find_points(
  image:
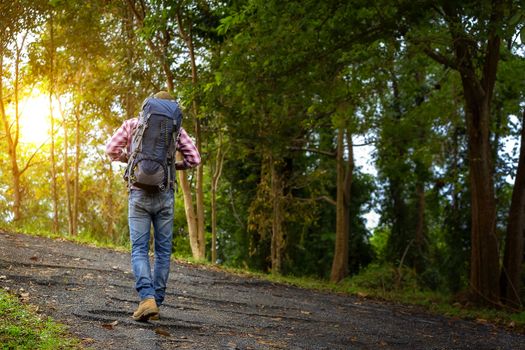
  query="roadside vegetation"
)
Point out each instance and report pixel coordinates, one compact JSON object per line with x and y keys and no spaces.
{"x":21,"y":327}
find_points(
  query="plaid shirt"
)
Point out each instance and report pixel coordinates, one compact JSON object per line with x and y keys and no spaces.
{"x":119,"y":146}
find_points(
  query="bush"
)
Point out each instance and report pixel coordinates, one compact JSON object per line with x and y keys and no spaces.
{"x":385,"y":278}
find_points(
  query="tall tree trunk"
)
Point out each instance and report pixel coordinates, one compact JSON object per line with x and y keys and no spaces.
{"x":478,"y":92}
{"x":12,"y":136}
{"x":109,"y":212}
{"x":66,"y":175}
{"x":513,"y":257}
{"x":402,"y":233}
{"x":219,"y":161}
{"x":187,"y":36}
{"x":420,"y":226}
{"x":420,"y":229}
{"x":484,"y":268}
{"x":190,"y":214}
{"x":76,"y":182}
{"x":344,"y":184}
{"x":277,"y":242}
{"x":14,"y":156}
{"x":54,"y":190}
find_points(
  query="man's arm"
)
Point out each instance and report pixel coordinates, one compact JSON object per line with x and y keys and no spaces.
{"x":190,"y":155}
{"x":117,"y":146}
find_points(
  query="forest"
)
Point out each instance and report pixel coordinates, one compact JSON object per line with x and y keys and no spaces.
{"x":335,"y":135}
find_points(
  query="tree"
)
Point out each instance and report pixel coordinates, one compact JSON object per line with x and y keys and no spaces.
{"x":158,"y":30}
{"x":466,"y":38}
{"x":513,"y":253}
{"x":19,"y":19}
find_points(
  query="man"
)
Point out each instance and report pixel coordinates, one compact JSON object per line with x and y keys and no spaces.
{"x":146,"y":208}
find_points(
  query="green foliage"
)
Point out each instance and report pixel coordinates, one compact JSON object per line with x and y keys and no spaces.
{"x":22,"y":328}
{"x":276,"y":80}
{"x":385,"y":278}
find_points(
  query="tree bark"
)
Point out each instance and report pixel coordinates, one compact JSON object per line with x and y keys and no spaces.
{"x":510,"y":282}
{"x":66,"y":174}
{"x":277,"y":242}
{"x":13,"y":136}
{"x":344,"y":184}
{"x":187,"y":37}
{"x":484,"y":268}
{"x":54,"y":190}
{"x":219,"y":161}
{"x":76,"y":182}
{"x":478,"y":92}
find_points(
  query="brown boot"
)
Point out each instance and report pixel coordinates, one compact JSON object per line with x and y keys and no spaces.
{"x":147,"y":308}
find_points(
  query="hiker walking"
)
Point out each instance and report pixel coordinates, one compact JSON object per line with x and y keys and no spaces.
{"x":148,"y":144}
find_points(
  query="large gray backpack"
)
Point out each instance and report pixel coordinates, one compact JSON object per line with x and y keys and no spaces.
{"x":151,"y":165}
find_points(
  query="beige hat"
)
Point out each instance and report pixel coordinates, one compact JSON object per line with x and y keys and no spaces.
{"x":164,"y":95}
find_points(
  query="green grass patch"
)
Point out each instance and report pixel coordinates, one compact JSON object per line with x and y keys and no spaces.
{"x":22,"y":328}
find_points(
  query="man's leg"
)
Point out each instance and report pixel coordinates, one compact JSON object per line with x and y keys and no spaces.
{"x":139,"y":220}
{"x":163,"y":227}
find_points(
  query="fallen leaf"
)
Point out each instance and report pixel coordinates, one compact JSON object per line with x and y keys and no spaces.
{"x":163,"y":332}
{"x":34,"y":258}
{"x":306,"y":312}
{"x":110,"y":325}
{"x":273,"y":344}
{"x":362,"y":294}
{"x":24,"y":297}
{"x":481,"y":320}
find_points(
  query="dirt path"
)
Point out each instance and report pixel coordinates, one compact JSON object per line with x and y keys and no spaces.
{"x":90,"y":290}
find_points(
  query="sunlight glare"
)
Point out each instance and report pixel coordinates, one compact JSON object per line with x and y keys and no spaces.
{"x":34,"y":119}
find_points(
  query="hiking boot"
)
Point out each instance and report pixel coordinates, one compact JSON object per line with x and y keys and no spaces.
{"x":155,"y":317}
{"x":147,"y":308}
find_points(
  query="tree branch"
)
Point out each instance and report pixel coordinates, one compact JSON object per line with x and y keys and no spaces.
{"x":28,"y":163}
{"x":439,"y":58}
{"x":313,"y":150}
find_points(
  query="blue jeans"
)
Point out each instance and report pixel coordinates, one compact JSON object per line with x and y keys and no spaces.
{"x":146,"y":209}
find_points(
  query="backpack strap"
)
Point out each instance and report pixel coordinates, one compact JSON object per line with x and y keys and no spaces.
{"x":172,"y":157}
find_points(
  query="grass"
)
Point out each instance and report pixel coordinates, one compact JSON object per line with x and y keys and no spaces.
{"x":22,"y":328}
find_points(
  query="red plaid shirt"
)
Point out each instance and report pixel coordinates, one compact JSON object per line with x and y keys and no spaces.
{"x":119,"y":146}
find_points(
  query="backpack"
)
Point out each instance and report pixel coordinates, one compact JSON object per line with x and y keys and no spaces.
{"x":151,"y":165}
